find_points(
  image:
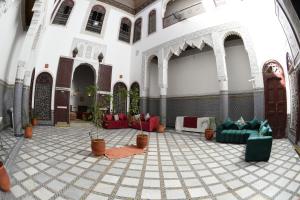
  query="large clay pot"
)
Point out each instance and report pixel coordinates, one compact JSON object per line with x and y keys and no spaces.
{"x":209,"y":134}
{"x":98,"y":147}
{"x":28,"y":132}
{"x":4,"y":179}
{"x":161,"y":128}
{"x":34,"y":121}
{"x":142,"y":141}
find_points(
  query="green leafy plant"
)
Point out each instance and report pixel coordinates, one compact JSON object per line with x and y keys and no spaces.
{"x":134,"y":101}
{"x":97,"y":109}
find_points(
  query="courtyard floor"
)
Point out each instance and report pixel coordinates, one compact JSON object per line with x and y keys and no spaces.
{"x":57,"y":164}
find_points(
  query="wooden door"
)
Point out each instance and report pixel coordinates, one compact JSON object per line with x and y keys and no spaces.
{"x":275,"y":98}
{"x":62,"y":110}
{"x":276,"y":106}
{"x":62,"y":90}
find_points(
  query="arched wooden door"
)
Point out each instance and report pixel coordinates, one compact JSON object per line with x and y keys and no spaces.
{"x":275,"y":97}
{"x":120,"y":98}
{"x":42,"y":96}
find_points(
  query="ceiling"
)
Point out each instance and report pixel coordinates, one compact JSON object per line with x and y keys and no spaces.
{"x":131,"y":6}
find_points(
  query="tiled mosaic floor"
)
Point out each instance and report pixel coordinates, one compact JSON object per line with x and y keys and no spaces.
{"x":56,"y":164}
{"x":7,"y":143}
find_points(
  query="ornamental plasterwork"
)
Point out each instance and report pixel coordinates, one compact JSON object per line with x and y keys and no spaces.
{"x":88,"y":50}
{"x":198,"y":39}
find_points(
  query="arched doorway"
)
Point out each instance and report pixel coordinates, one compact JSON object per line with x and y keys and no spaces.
{"x":275,"y":97}
{"x":42,"y":97}
{"x":120,"y":98}
{"x":135,"y":89}
{"x":80,"y":101}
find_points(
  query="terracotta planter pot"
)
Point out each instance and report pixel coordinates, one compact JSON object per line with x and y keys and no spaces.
{"x":142,"y":141}
{"x":28,"y":132}
{"x":98,"y":147}
{"x":4,"y":179}
{"x":161,"y":128}
{"x":34,"y":122}
{"x":209,"y":134}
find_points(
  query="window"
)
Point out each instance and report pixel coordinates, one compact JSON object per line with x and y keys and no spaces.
{"x":125,"y":30}
{"x":63,"y":12}
{"x":96,"y":19}
{"x":152,"y":22}
{"x":137,"y":30}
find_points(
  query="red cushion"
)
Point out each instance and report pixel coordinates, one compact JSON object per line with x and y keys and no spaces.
{"x":142,"y":117}
{"x":109,"y":117}
{"x":122,"y":116}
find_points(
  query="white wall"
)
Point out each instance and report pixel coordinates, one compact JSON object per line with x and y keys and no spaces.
{"x":238,"y":67}
{"x":11,"y":40}
{"x":193,"y":75}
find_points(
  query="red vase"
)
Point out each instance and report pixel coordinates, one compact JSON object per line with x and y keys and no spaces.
{"x":4,"y":179}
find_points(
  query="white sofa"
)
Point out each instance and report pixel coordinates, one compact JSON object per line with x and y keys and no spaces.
{"x":202,"y":124}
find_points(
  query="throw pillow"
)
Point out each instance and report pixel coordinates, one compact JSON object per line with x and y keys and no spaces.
{"x":147,"y":117}
{"x":116,"y":117}
{"x":122,"y":116}
{"x":265,"y":123}
{"x":263,"y":130}
{"x":229,"y":124}
{"x":137,"y":117}
{"x":254,"y":124}
{"x":240,"y":123}
{"x":109,"y":117}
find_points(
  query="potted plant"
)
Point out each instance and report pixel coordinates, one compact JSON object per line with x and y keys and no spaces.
{"x":28,"y":131}
{"x":4,"y":178}
{"x":141,"y":139}
{"x":209,"y":132}
{"x":97,"y":143}
{"x":34,"y":120}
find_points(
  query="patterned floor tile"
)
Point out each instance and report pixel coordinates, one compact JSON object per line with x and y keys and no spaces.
{"x":57,"y":164}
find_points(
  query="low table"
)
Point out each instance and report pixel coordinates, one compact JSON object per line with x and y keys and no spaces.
{"x":202,"y":124}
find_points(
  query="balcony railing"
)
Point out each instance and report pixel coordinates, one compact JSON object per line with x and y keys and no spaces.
{"x":183,"y":14}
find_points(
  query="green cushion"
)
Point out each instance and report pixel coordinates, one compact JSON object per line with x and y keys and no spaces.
{"x":254,"y":124}
{"x":244,"y":127}
{"x":263,"y":130}
{"x":229,"y":124}
{"x":263,"y":124}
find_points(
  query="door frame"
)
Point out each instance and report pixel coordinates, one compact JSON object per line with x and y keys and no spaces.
{"x":279,"y":74}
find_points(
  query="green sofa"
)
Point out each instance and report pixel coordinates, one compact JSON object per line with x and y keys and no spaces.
{"x":257,"y":136}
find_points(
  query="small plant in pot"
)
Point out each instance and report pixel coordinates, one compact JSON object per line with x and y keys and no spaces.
{"x":141,"y":139}
{"x":28,"y":131}
{"x":209,"y":132}
{"x":4,"y":179}
{"x":34,"y":120}
{"x":97,"y":143}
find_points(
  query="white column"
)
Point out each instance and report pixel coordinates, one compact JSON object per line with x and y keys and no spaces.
{"x":163,"y":85}
{"x":219,"y":51}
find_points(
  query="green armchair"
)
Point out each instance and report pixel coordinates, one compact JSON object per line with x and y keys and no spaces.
{"x":257,"y":136}
{"x":258,"y":148}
